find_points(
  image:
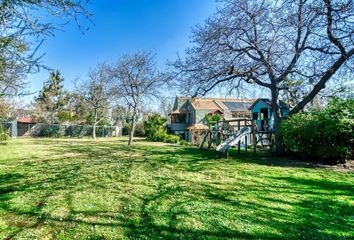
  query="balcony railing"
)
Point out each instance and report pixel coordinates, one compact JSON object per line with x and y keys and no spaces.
{"x":178,"y":126}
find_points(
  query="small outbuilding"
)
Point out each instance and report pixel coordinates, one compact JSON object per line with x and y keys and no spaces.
{"x":24,"y":126}
{"x":262,"y":113}
{"x":196,"y":133}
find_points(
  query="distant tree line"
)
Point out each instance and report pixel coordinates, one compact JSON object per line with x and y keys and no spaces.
{"x":111,"y":94}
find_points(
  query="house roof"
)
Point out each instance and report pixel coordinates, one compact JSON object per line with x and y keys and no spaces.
{"x":268,"y":102}
{"x":25,"y":120}
{"x":178,"y":112}
{"x":232,"y":104}
{"x":198,"y":126}
{"x":205,"y":104}
{"x":217,"y":111}
{"x":238,"y":106}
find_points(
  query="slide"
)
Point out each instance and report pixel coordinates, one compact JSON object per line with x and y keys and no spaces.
{"x":233,"y":140}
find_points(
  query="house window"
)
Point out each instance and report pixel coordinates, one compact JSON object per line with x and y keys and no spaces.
{"x":179,"y":118}
{"x":255,"y":116}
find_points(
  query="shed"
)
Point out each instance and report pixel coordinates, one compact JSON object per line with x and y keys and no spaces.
{"x":262,"y":113}
{"x":24,"y":125}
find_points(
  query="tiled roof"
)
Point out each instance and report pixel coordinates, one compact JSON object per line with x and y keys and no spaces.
{"x":25,"y":120}
{"x":205,"y":104}
{"x":178,"y":112}
{"x":198,"y":126}
{"x":268,"y":102}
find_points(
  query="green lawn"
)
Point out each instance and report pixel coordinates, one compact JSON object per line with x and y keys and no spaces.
{"x":82,"y":189}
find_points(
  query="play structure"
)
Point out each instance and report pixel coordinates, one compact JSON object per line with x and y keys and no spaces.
{"x":256,"y":131}
{"x":239,"y":133}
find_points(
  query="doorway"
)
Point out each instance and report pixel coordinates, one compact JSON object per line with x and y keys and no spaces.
{"x":264,"y":119}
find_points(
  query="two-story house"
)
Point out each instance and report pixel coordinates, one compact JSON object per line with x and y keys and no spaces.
{"x":189,"y":113}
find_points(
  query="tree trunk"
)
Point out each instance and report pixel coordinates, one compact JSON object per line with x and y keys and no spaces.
{"x":94,"y":125}
{"x":277,"y":121}
{"x":132,"y":126}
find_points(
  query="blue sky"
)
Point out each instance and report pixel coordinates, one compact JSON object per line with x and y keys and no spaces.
{"x":120,"y":27}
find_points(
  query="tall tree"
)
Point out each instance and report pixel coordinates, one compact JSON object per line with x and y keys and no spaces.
{"x":51,"y":98}
{"x":98,"y":90}
{"x":75,"y":107}
{"x":166,"y":105}
{"x":23,"y":27}
{"x":138,"y":81}
{"x":272,"y":44}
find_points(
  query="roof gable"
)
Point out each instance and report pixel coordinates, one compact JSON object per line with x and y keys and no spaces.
{"x":268,"y":103}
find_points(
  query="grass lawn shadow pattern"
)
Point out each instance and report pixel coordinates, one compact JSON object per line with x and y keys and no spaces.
{"x":104,"y":189}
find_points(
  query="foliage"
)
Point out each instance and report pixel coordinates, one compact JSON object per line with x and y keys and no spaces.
{"x":84,"y":189}
{"x":295,"y":47}
{"x":155,"y":130}
{"x":139,"y":129}
{"x":3,"y":134}
{"x":77,"y":108}
{"x":64,"y":116}
{"x":49,"y":131}
{"x":326,"y":134}
{"x":211,"y":119}
{"x":154,"y":124}
{"x":76,"y":131}
{"x":24,"y":25}
{"x":51,"y":98}
{"x":5,"y":109}
{"x":171,"y":138}
{"x":184,"y":142}
{"x":104,"y":131}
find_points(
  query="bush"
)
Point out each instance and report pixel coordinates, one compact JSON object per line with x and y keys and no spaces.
{"x":49,"y":131}
{"x":325,"y":135}
{"x":212,"y":119}
{"x":3,"y":134}
{"x":155,"y":130}
{"x":171,"y":138}
{"x":155,"y":125}
{"x":75,"y":131}
{"x":104,"y":131}
{"x":139,"y":130}
{"x":184,"y":143}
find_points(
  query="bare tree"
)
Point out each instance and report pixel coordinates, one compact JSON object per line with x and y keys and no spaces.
{"x":166,"y":105}
{"x":138,"y":81}
{"x":23,"y":27}
{"x":97,"y":90}
{"x":274,"y":45}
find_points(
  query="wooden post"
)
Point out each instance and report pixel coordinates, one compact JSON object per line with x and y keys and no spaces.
{"x":239,"y":142}
{"x":254,"y":136}
{"x":246,"y":137}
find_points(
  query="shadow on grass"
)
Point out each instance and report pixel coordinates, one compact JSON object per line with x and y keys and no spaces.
{"x":181,"y":203}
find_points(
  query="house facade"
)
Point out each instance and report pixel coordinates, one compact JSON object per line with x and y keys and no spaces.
{"x":188,"y":114}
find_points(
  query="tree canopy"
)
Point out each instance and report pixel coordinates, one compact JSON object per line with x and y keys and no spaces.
{"x":278,"y":45}
{"x":23,"y":27}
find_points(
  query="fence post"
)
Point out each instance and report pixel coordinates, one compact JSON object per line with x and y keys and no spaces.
{"x":239,"y":142}
{"x":246,"y":137}
{"x":254,"y":136}
{"x":14,"y":129}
